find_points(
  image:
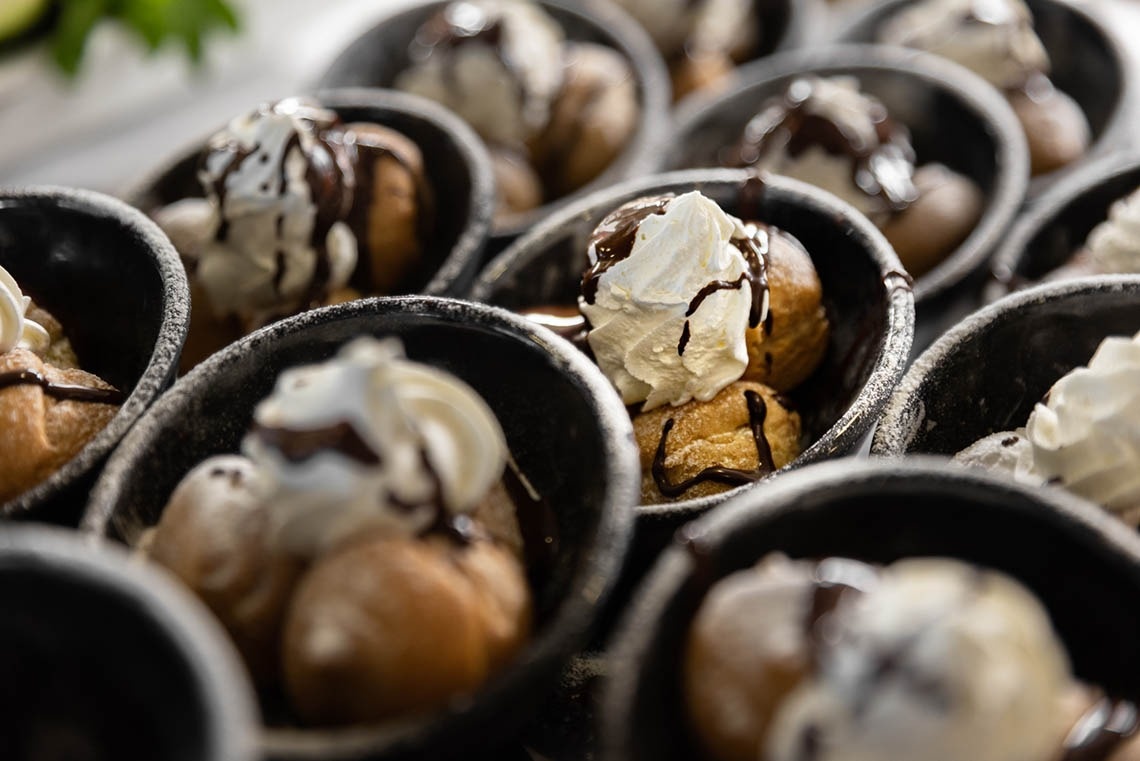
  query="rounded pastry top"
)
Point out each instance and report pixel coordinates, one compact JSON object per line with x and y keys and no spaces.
{"x":992,"y":38}
{"x":1085,"y":433}
{"x":1114,"y":245}
{"x":281,"y":182}
{"x":496,"y":63}
{"x":16,"y":329}
{"x":940,"y":660}
{"x":370,"y":439}
{"x":696,"y":26}
{"x":673,"y":286}
{"x":826,"y":132}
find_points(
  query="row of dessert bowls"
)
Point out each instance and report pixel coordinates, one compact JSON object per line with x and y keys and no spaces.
{"x":565,"y":427}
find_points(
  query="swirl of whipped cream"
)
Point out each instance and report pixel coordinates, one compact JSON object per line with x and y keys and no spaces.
{"x":668,"y":315}
{"x":1086,"y":434}
{"x":992,"y":38}
{"x":1114,"y":245}
{"x":371,"y":439}
{"x":281,"y":194}
{"x":826,"y":132}
{"x":16,"y":330}
{"x":496,"y":63}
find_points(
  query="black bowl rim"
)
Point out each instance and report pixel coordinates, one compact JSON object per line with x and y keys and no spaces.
{"x":1011,"y":179}
{"x":168,"y":343}
{"x":223,"y":689}
{"x":1117,"y":128}
{"x":926,"y":473}
{"x":642,"y":152}
{"x":464,"y":258}
{"x":897,"y":339}
{"x":1043,"y":211}
{"x":893,"y":431}
{"x":598,"y":568}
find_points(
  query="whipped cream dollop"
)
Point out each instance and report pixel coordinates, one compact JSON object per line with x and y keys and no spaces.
{"x":695,"y":26}
{"x":1114,"y":245}
{"x":280,"y":182}
{"x":674,"y":285}
{"x":371,"y":439}
{"x":496,"y":63}
{"x":1086,"y":433}
{"x":941,"y":661}
{"x":826,"y":132}
{"x":992,"y":38}
{"x":16,"y":330}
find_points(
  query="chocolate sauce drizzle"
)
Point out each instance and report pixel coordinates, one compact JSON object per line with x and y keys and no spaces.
{"x":881,"y":169}
{"x":565,"y":321}
{"x":1104,"y":727}
{"x":61,"y":391}
{"x":613,"y":238}
{"x":298,"y":445}
{"x":757,"y":412}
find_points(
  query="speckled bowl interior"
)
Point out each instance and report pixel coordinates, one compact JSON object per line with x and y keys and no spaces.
{"x":114,"y":282}
{"x":455,"y":162}
{"x":565,"y":427}
{"x":986,"y":374}
{"x":953,"y":117}
{"x":1083,"y":565}
{"x":1050,"y":231}
{"x":77,"y":619}
{"x":1087,"y":63}
{"x":376,"y":58}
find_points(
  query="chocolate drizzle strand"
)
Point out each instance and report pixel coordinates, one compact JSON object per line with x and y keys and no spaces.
{"x":1105,"y":726}
{"x":61,"y":391}
{"x":613,"y":238}
{"x":757,"y":413}
{"x":298,"y":445}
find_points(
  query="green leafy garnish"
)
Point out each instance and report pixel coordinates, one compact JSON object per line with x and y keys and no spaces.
{"x":154,"y":21}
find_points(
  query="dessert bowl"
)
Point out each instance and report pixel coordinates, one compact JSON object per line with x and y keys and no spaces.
{"x":953,"y":117}
{"x":1056,"y":225}
{"x":564,"y":425}
{"x":877,"y":512}
{"x":867,"y":297}
{"x":106,"y":659}
{"x":986,"y":374}
{"x":376,"y":58}
{"x":114,"y":282}
{"x":455,"y":164}
{"x":1088,"y":63}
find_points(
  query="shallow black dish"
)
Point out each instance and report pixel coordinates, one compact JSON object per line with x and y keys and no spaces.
{"x":1083,"y":565}
{"x":565,"y":426}
{"x":1088,"y":64}
{"x":1051,"y":230}
{"x":376,"y":57}
{"x":104,"y":659}
{"x":455,"y":161}
{"x":986,"y":374}
{"x":115,"y":283}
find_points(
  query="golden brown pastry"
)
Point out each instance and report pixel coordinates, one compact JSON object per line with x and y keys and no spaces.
{"x":700,"y":71}
{"x":1055,"y":126}
{"x":518,"y":186}
{"x":745,"y":431}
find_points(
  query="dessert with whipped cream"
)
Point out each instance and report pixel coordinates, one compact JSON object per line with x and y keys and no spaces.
{"x":1083,"y":436}
{"x":49,"y":407}
{"x":995,"y":39}
{"x":827,"y":132}
{"x":1112,"y":247}
{"x":365,"y":551}
{"x":702,"y":322}
{"x":701,"y":40}
{"x":553,"y":112}
{"x":932,"y":658}
{"x":300,"y":210}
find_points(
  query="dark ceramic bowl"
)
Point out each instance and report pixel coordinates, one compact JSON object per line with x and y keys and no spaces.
{"x":986,"y":374}
{"x":565,"y":426}
{"x":1088,"y":64}
{"x":1054,"y":226}
{"x":113,"y":280}
{"x":953,"y":116}
{"x":376,"y":57}
{"x":868,"y":301}
{"x":456,"y":163}
{"x":1083,"y":565}
{"x":105,"y":660}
